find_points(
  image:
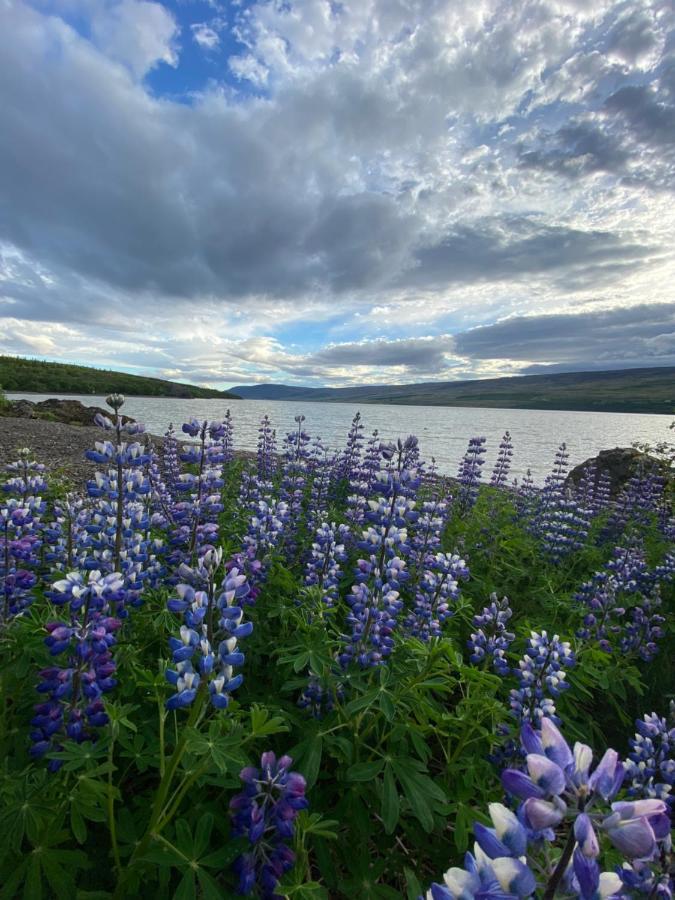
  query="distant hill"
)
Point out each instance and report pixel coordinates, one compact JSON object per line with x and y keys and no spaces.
{"x":18,"y":374}
{"x":628,"y":390}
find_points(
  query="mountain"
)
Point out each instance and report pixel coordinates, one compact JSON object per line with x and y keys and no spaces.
{"x":627,"y":390}
{"x":18,"y":374}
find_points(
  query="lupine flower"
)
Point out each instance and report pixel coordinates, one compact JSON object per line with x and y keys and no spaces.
{"x":327,"y":553}
{"x":540,"y":673}
{"x":206,"y":648}
{"x":21,"y":533}
{"x":491,"y":641}
{"x":502,"y":466}
{"x":563,"y":798}
{"x":74,"y":707}
{"x":625,"y":581}
{"x":436,"y":592}
{"x":265,"y":812}
{"x":470,"y":473}
{"x":650,"y":769}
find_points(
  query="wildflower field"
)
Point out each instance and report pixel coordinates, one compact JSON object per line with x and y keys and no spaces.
{"x":326,"y":674}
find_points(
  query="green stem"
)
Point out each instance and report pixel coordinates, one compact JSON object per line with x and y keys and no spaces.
{"x":112,"y":825}
{"x":177,"y":798}
{"x":163,"y":791}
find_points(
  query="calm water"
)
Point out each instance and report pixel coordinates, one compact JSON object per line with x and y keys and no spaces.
{"x":443,"y":432}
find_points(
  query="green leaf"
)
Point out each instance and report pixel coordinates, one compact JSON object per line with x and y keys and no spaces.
{"x":390,"y":802}
{"x":78,"y":825}
{"x":364,"y":771}
{"x":412,"y":884}
{"x":262,"y":725}
{"x":307,"y":755}
{"x":387,"y":706}
{"x":186,"y":888}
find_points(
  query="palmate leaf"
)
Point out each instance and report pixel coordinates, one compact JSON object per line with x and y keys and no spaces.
{"x":263,"y":724}
{"x":46,"y":871}
{"x":25,"y":810}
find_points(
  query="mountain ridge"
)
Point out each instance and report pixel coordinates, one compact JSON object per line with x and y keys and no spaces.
{"x":644,"y":390}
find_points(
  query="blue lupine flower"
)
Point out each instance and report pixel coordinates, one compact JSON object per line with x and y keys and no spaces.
{"x":491,"y":641}
{"x":470,"y":473}
{"x":563,"y":798}
{"x":651,"y":763}
{"x":502,"y":466}
{"x":206,"y":648}
{"x":74,"y":706}
{"x":540,"y":672}
{"x":265,"y":812}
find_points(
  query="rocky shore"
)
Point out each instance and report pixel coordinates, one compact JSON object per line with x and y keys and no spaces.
{"x":60,"y":447}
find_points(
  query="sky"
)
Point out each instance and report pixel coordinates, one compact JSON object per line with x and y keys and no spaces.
{"x":331,"y":193}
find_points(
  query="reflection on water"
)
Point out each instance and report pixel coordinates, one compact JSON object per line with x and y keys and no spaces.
{"x":443,"y":432}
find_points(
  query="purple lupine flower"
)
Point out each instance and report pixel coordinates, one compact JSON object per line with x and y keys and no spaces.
{"x":555,"y":517}
{"x":323,"y":568}
{"x":502,"y":466}
{"x":206,"y":648}
{"x":21,"y":533}
{"x":540,"y":673}
{"x":470,"y":473}
{"x":265,"y":813}
{"x":362,"y":480}
{"x":623,"y":602}
{"x":267,"y":462}
{"x":170,"y":466}
{"x":491,"y":641}
{"x":74,"y":706}
{"x":436,"y":592}
{"x":349,"y":461}
{"x":650,"y":768}
{"x":195,"y":516}
{"x":563,"y":799}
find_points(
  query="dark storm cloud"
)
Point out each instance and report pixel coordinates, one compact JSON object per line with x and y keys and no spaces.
{"x":512,"y":248}
{"x":642,"y":334}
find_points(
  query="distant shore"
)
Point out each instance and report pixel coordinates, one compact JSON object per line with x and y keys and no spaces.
{"x":13,"y":394}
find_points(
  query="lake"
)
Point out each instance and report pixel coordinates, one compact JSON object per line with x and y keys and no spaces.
{"x":443,"y":431}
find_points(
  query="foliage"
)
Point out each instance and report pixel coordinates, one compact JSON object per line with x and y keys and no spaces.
{"x":396,"y":633}
{"x":43,"y":377}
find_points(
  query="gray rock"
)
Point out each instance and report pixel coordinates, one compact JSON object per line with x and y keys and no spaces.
{"x":621,"y":463}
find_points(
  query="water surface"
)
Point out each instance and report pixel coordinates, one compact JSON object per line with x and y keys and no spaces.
{"x":443,"y":431}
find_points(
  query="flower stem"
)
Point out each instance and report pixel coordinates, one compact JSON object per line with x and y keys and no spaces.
{"x":563,"y":862}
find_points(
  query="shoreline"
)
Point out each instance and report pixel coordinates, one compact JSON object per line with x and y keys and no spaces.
{"x":12,"y":394}
{"x":61,"y":447}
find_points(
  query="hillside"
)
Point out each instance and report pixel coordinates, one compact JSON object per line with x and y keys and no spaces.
{"x":628,"y":390}
{"x":18,"y":374}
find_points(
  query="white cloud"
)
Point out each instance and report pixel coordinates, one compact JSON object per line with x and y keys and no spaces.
{"x":205,"y":36}
{"x":403,"y":169}
{"x":138,"y":33}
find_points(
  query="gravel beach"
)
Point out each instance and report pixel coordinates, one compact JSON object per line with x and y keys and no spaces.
{"x":60,"y":447}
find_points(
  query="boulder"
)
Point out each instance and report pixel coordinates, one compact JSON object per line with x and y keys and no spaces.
{"x":21,"y":409}
{"x":69,"y":412}
{"x":620,"y":463}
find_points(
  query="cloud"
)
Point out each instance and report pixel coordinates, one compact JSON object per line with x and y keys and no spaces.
{"x":205,"y":36}
{"x":369,"y":173}
{"x":138,"y":33}
{"x":518,"y":247}
{"x":639,"y":335}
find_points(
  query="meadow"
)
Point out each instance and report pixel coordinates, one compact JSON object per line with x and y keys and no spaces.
{"x":317,"y":674}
